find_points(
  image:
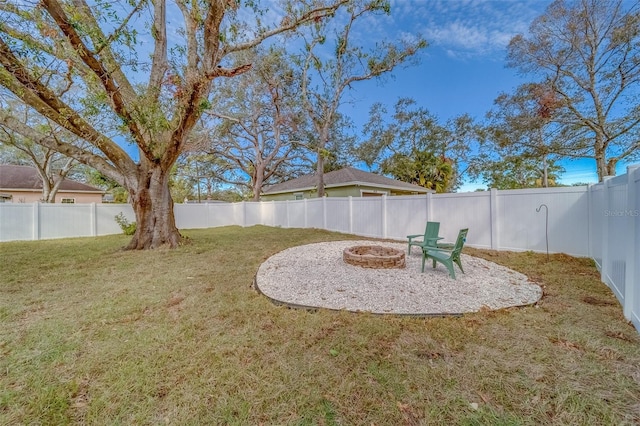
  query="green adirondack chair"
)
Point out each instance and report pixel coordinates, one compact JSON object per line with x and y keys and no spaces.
{"x":447,"y":258}
{"x":429,"y":238}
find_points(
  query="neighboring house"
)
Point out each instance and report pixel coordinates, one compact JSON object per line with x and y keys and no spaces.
{"x":347,"y":182}
{"x":22,"y":184}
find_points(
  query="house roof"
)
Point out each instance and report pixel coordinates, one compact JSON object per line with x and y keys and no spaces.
{"x":26,"y":178}
{"x":344,"y":177}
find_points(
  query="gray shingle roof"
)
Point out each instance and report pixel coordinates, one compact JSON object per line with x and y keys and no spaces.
{"x":27,"y":178}
{"x":344,"y":177}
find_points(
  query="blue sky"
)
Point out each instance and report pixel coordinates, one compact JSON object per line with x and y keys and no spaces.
{"x":464,"y":68}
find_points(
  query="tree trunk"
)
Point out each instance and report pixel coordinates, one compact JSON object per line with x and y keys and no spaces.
{"x":601,"y":167}
{"x":257,"y":187}
{"x":601,"y":161}
{"x":47,"y":196}
{"x":611,"y":166}
{"x":320,"y":174}
{"x":323,"y":139}
{"x":153,"y":206}
{"x":50,"y":197}
{"x":545,"y":169}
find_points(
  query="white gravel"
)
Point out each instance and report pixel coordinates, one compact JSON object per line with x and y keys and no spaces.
{"x":315,"y":275}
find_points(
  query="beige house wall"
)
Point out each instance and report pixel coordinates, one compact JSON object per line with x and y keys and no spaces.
{"x":33,"y":196}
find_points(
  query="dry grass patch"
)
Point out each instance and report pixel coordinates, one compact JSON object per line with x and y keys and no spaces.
{"x":94,"y":335}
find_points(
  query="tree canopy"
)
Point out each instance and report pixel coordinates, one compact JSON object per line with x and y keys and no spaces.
{"x":413,"y":146}
{"x":257,"y":125}
{"x":586,"y":56}
{"x":329,"y":72}
{"x":112,"y":72}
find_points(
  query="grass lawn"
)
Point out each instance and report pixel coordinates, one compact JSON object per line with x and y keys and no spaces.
{"x":94,"y":335}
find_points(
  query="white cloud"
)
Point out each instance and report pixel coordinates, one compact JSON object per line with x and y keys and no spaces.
{"x":466,"y":28}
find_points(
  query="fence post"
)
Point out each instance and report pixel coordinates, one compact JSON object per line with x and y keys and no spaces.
{"x":632,"y":257}
{"x":273,"y":213}
{"x":604,"y":271}
{"x":94,"y":220}
{"x":306,"y":221}
{"x":243,"y":214}
{"x":493,"y":214}
{"x":35,"y":233}
{"x":589,"y":213}
{"x":286,"y":206}
{"x":383,"y":205}
{"x":429,"y":206}
{"x":324,"y":212}
{"x":350,"y":214}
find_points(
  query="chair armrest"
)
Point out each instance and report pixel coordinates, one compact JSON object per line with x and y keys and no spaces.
{"x":446,"y":246}
{"x":426,"y":248}
{"x":414,"y":236}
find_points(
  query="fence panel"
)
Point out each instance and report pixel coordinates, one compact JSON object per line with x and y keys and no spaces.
{"x":367,"y":216}
{"x":221,"y":214}
{"x":296,"y":213}
{"x":190,"y":216}
{"x":597,"y":201}
{"x":64,"y":221}
{"x":522,"y":220}
{"x":267,"y":214}
{"x":338,"y":218}
{"x":16,"y":221}
{"x":471,"y":211}
{"x":280,"y":214}
{"x":616,"y":222}
{"x":238,"y":213}
{"x":105,"y":217}
{"x":315,"y":212}
{"x":205,"y":215}
{"x":634,"y":285}
{"x":253,"y":213}
{"x":406,"y":216}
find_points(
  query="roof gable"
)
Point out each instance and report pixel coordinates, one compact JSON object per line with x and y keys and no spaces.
{"x":27,"y":178}
{"x":343,"y":177}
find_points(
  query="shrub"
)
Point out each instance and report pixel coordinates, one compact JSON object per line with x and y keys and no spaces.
{"x":129,"y":228}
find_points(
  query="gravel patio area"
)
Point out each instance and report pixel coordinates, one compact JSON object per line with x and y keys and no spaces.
{"x":315,"y":276}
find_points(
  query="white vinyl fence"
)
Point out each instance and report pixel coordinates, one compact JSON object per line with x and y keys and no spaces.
{"x":601,"y":221}
{"x":614,"y":228}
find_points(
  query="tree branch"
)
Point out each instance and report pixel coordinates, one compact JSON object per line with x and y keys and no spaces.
{"x":288,"y":25}
{"x":102,"y":43}
{"x":108,"y":83}
{"x":18,"y":80}
{"x":67,"y":149}
{"x":159,"y":63}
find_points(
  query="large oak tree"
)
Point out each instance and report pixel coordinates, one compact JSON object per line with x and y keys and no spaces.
{"x":587,"y":54}
{"x":103,"y":69}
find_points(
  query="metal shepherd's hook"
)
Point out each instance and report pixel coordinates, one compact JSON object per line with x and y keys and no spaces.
{"x":546,"y":226}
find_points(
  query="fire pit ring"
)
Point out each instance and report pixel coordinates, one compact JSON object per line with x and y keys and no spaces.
{"x":375,"y":257}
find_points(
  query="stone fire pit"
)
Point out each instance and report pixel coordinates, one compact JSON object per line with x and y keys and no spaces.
{"x":375,"y":257}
